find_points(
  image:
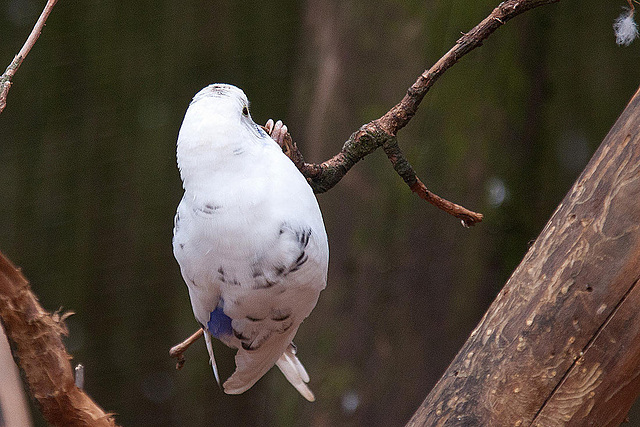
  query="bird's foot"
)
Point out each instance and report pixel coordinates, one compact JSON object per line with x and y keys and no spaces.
{"x":280,"y":134}
{"x":177,"y":351}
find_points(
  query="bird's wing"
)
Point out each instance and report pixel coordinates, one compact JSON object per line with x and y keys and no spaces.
{"x":287,"y":281}
{"x":252,"y":365}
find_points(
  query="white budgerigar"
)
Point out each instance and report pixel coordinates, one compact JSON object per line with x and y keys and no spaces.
{"x":248,"y":236}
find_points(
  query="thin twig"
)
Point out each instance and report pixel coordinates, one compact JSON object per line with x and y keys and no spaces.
{"x":405,"y":170}
{"x":5,"y":79}
{"x":177,"y":351}
{"x":378,"y":133}
{"x":398,"y":117}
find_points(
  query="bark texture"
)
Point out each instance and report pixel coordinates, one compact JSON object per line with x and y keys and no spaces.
{"x":35,"y":337}
{"x":560,"y":345}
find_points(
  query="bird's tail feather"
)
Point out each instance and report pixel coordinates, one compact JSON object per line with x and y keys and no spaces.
{"x":253,"y":364}
{"x":293,"y":370}
{"x":207,"y":340}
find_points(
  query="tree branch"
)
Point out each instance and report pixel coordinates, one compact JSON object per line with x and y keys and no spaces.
{"x":404,"y":169}
{"x":5,"y":79}
{"x":398,"y":117}
{"x":382,"y":132}
{"x":35,"y":337}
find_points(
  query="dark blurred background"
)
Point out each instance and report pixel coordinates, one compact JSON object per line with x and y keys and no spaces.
{"x":89,"y":186}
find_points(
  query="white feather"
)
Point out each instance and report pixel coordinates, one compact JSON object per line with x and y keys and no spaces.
{"x":293,"y":370}
{"x":625,"y":28}
{"x":212,"y":359}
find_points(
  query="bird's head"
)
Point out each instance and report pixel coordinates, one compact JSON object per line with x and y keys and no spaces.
{"x":223,"y":100}
{"x":217,"y":125}
{"x":218,"y":116}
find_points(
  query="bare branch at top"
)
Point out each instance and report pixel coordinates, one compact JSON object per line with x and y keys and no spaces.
{"x":382,"y":132}
{"x":5,"y":79}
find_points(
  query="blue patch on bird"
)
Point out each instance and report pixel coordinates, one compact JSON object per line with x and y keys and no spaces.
{"x":261,"y":132}
{"x":219,"y":323}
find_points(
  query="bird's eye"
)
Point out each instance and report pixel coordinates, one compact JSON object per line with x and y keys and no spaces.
{"x":245,"y":111}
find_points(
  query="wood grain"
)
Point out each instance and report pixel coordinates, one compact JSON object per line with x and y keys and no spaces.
{"x":560,"y":345}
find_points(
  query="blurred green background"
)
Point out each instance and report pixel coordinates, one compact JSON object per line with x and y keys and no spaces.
{"x":89,"y":186}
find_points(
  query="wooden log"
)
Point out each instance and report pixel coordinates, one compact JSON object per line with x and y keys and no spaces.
{"x":35,"y":337}
{"x":560,"y":345}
